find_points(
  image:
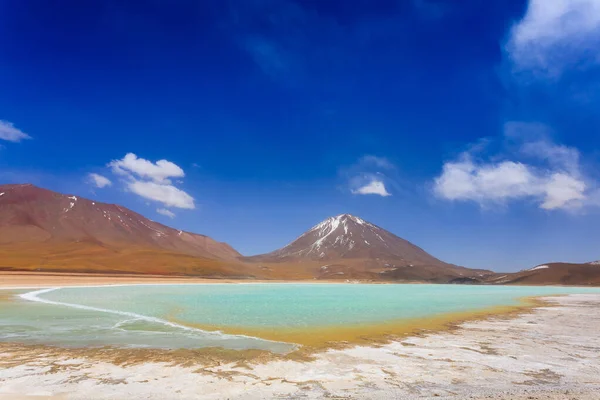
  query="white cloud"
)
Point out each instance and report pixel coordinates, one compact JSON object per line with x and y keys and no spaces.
{"x":532,"y":140}
{"x":555,"y":35}
{"x":373,"y":187}
{"x":150,"y":180}
{"x":487,"y":183}
{"x":465,"y":180}
{"x":158,"y":172}
{"x":98,"y":180}
{"x":165,"y":212}
{"x":167,"y":194}
{"x":10,"y":133}
{"x":562,"y":190}
{"x":554,"y":181}
{"x":370,"y":175}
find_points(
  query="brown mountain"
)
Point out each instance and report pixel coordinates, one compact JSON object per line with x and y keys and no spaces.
{"x":41,"y":229}
{"x":552,"y":274}
{"x":348,"y":247}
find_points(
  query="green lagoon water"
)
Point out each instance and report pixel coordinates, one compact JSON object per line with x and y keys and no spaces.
{"x":141,"y":315}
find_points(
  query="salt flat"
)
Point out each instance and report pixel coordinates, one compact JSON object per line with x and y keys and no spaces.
{"x":552,"y":352}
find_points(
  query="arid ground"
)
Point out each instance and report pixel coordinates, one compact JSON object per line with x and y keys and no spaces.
{"x":550,"y":351}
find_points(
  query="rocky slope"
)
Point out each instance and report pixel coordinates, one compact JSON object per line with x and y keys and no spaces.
{"x":552,"y":274}
{"x":48,"y":230}
{"x":348,"y":247}
{"x":347,"y":236}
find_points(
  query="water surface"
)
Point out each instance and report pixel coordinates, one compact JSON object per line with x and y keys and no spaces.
{"x":179,"y":316}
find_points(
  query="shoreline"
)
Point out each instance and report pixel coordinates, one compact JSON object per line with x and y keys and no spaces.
{"x":538,"y":354}
{"x":312,"y":340}
{"x":316,"y":339}
{"x":37,"y":280}
{"x":33,"y":297}
{"x":308,"y":340}
{"x":321,"y":338}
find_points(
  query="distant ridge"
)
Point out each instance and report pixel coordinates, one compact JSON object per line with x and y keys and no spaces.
{"x":552,"y":274}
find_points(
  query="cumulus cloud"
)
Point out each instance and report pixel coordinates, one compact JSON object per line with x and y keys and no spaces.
{"x":369,"y":175}
{"x":487,"y":183}
{"x":98,"y":180}
{"x":532,"y":140}
{"x":373,"y":187}
{"x":551,"y":176}
{"x":159,"y":171}
{"x":556,"y":35}
{"x":466,"y":180}
{"x":165,"y":212}
{"x":10,"y":133}
{"x":167,"y":194}
{"x":562,"y":190}
{"x":151,"y":180}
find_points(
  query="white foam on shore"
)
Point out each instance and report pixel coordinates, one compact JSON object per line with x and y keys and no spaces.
{"x":34,"y":296}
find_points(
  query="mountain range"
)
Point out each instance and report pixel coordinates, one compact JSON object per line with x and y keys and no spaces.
{"x":41,"y":230}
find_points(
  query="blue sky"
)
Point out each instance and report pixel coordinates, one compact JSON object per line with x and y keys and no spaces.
{"x":469,"y":128}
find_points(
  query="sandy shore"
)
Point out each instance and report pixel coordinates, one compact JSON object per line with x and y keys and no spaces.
{"x":550,"y":353}
{"x":10,"y":279}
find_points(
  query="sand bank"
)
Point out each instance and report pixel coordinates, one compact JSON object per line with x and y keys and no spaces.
{"x":50,"y":279}
{"x":552,"y":352}
{"x":18,"y":279}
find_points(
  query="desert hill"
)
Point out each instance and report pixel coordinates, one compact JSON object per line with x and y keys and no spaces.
{"x":45,"y":230}
{"x":552,"y":274}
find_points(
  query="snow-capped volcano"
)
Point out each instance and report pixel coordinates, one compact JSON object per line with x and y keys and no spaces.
{"x":349,"y":237}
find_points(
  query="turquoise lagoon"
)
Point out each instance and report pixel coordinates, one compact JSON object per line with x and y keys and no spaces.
{"x":169,"y":316}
